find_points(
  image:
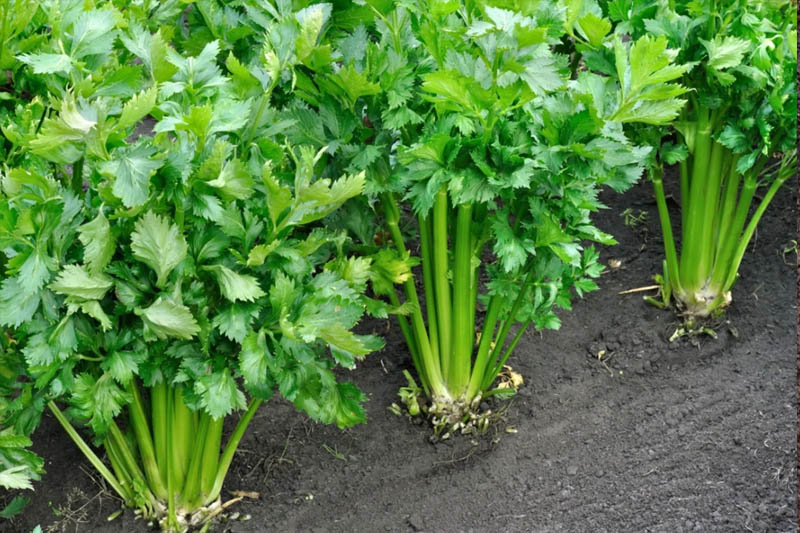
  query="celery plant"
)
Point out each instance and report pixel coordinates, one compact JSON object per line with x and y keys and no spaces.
{"x":479,"y":130}
{"x":737,"y":134}
{"x":151,"y":280}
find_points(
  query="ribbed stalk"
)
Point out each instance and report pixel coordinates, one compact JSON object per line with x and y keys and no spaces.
{"x":426,"y":247}
{"x":210,"y":462}
{"x":671,"y":272}
{"x":729,"y":196}
{"x":87,"y":451}
{"x":190,"y":494}
{"x":158,"y":407}
{"x":429,"y":368}
{"x":144,"y":441}
{"x":125,"y":481}
{"x":172,"y":482}
{"x":505,"y":328}
{"x":692,"y":231}
{"x":489,"y":377}
{"x":710,"y":199}
{"x":684,"y":173}
{"x":748,"y":234}
{"x":126,"y":456}
{"x":441,"y":283}
{"x":463,"y":330}
{"x":230,"y":450}
{"x":474,"y":273}
{"x":487,"y":333}
{"x":182,"y":439}
{"x":728,"y":248}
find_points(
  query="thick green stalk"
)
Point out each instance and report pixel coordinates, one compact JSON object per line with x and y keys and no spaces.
{"x":172,"y":482}
{"x":473,"y":299}
{"x":411,"y":341}
{"x":463,"y":330}
{"x":87,"y":451}
{"x":126,"y":456}
{"x":210,"y":462}
{"x":711,"y":195}
{"x":190,"y":494}
{"x":487,"y":333}
{"x":692,"y":238}
{"x":144,"y":441}
{"x":505,"y":328}
{"x":748,"y":233}
{"x":671,"y":271}
{"x":729,"y":158}
{"x":441,"y":284}
{"x":182,"y":438}
{"x":489,"y":377}
{"x":125,"y":481}
{"x":429,"y":366}
{"x":729,"y":196}
{"x":425,"y":236}
{"x":158,"y":407}
{"x":684,"y":172}
{"x":732,"y":237}
{"x":230,"y":449}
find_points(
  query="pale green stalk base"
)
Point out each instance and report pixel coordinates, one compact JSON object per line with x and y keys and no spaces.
{"x":176,"y":484}
{"x":455,"y":374}
{"x":715,"y":229}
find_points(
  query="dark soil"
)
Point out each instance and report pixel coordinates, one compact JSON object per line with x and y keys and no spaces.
{"x":654,"y":436}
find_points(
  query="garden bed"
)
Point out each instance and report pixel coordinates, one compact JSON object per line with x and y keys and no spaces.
{"x":652,"y":436}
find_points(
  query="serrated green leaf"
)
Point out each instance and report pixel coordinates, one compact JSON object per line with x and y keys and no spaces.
{"x":138,"y":107}
{"x":98,"y":401}
{"x":165,"y":319}
{"x":734,"y":138}
{"x":131,"y":169}
{"x":77,"y":282}
{"x":45,"y":63}
{"x":16,"y":478}
{"x":98,"y":243}
{"x":258,"y":254}
{"x":235,"y":286}
{"x":93,"y":34}
{"x":234,"y":181}
{"x":672,"y":154}
{"x":594,"y":28}
{"x":234,"y":320}
{"x":253,"y":359}
{"x":15,"y":306}
{"x":725,"y":52}
{"x":219,"y":395}
{"x":346,"y":345}
{"x":34,"y":272}
{"x":123,"y":365}
{"x":158,"y":244}
{"x":95,"y":310}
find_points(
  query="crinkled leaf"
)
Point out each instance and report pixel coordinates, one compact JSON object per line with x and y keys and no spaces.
{"x":77,"y":282}
{"x":158,"y":244}
{"x":165,"y":319}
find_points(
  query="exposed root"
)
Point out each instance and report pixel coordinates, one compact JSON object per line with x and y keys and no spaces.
{"x":448,"y":416}
{"x":194,"y":519}
{"x":693,"y":307}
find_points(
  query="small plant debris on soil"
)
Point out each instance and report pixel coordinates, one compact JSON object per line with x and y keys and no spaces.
{"x":694,"y":435}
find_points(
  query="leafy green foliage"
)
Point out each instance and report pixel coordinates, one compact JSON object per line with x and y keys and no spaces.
{"x":474,"y":108}
{"x":738,"y":130}
{"x":147,"y":234}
